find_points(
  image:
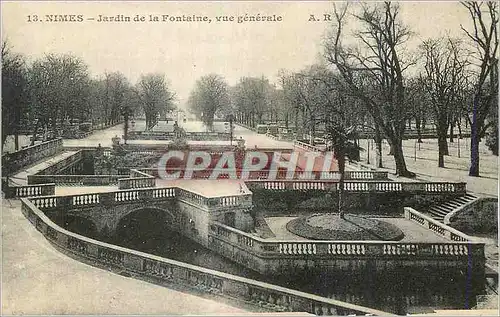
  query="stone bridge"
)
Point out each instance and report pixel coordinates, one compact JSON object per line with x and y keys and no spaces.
{"x":189,"y":213}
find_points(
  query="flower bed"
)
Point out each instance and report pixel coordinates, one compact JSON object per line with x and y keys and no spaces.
{"x":352,"y":227}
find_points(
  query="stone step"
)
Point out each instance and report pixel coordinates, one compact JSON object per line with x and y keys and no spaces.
{"x":452,"y":204}
{"x":442,"y":209}
{"x":438,"y":212}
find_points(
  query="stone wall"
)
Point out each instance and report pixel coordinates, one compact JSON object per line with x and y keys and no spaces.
{"x":193,"y":222}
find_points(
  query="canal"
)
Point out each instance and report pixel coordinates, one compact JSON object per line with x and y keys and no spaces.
{"x":402,"y":292}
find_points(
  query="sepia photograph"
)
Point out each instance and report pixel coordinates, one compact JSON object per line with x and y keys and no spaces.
{"x":249,"y":158}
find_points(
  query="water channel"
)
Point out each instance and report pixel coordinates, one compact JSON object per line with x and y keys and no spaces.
{"x":401,"y":292}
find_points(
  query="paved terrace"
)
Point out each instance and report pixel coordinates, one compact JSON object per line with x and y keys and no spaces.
{"x":412,"y":231}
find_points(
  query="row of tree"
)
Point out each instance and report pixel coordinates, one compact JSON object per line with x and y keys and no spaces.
{"x":367,"y":80}
{"x":52,"y":92}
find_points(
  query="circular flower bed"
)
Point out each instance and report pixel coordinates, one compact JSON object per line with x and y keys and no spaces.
{"x":352,"y":227}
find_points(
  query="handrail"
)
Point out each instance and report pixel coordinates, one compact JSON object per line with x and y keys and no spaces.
{"x":30,"y":190}
{"x":12,"y":162}
{"x":363,"y":186}
{"x":280,"y":175}
{"x":317,"y":248}
{"x":137,"y":194}
{"x":436,"y":226}
{"x":84,"y":180}
{"x":136,"y":262}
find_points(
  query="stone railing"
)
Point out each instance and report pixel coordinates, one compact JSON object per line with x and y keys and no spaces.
{"x":192,"y":198}
{"x":61,"y":164}
{"x":136,"y":182}
{"x":137,"y":179}
{"x":178,"y":172}
{"x":242,"y":200}
{"x":165,"y":271}
{"x":75,"y":180}
{"x":263,"y":248}
{"x":193,"y":136}
{"x":94,"y":199}
{"x":305,"y":146}
{"x":30,"y":190}
{"x":364,"y":186}
{"x":12,"y":162}
{"x":436,"y":226}
{"x":144,"y":194}
{"x":137,"y":173}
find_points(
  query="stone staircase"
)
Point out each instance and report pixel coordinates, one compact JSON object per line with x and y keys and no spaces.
{"x":438,"y":212}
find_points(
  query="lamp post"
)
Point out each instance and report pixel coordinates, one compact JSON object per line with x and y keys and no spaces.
{"x":231,"y":129}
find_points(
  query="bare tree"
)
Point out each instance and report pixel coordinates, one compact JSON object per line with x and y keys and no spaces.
{"x":154,"y":95}
{"x":377,"y":56}
{"x":445,"y":65}
{"x":210,"y":94}
{"x":252,"y":96}
{"x":14,"y":93}
{"x":58,"y":86}
{"x":484,"y":36}
{"x":339,"y":112}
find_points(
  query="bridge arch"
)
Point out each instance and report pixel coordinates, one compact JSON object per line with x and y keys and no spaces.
{"x":143,"y":227}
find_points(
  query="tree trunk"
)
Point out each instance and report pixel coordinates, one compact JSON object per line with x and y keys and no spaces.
{"x":459,"y":126}
{"x":341,"y":164}
{"x":399,"y":159}
{"x":378,"y":143}
{"x":125,"y":129}
{"x":474,"y":152}
{"x":419,"y":130}
{"x":442,"y":148}
{"x":16,"y":141}
{"x":452,"y":125}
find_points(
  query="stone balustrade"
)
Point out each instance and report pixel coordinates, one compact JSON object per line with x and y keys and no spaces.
{"x":305,"y":146}
{"x":140,"y":194}
{"x":12,"y":162}
{"x":363,"y":186}
{"x":242,"y":200}
{"x":137,"y":179}
{"x":75,"y":180}
{"x":436,"y":226}
{"x":164,"y":271}
{"x":91,"y":199}
{"x":136,"y":182}
{"x":59,"y":165}
{"x":137,"y":173}
{"x":30,"y":190}
{"x":178,"y":172}
{"x":192,"y":198}
{"x":264,"y":248}
{"x":193,"y":136}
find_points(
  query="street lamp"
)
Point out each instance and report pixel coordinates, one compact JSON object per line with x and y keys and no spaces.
{"x":231,"y":129}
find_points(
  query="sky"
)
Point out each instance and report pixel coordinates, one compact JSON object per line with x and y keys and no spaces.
{"x":185,"y":51}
